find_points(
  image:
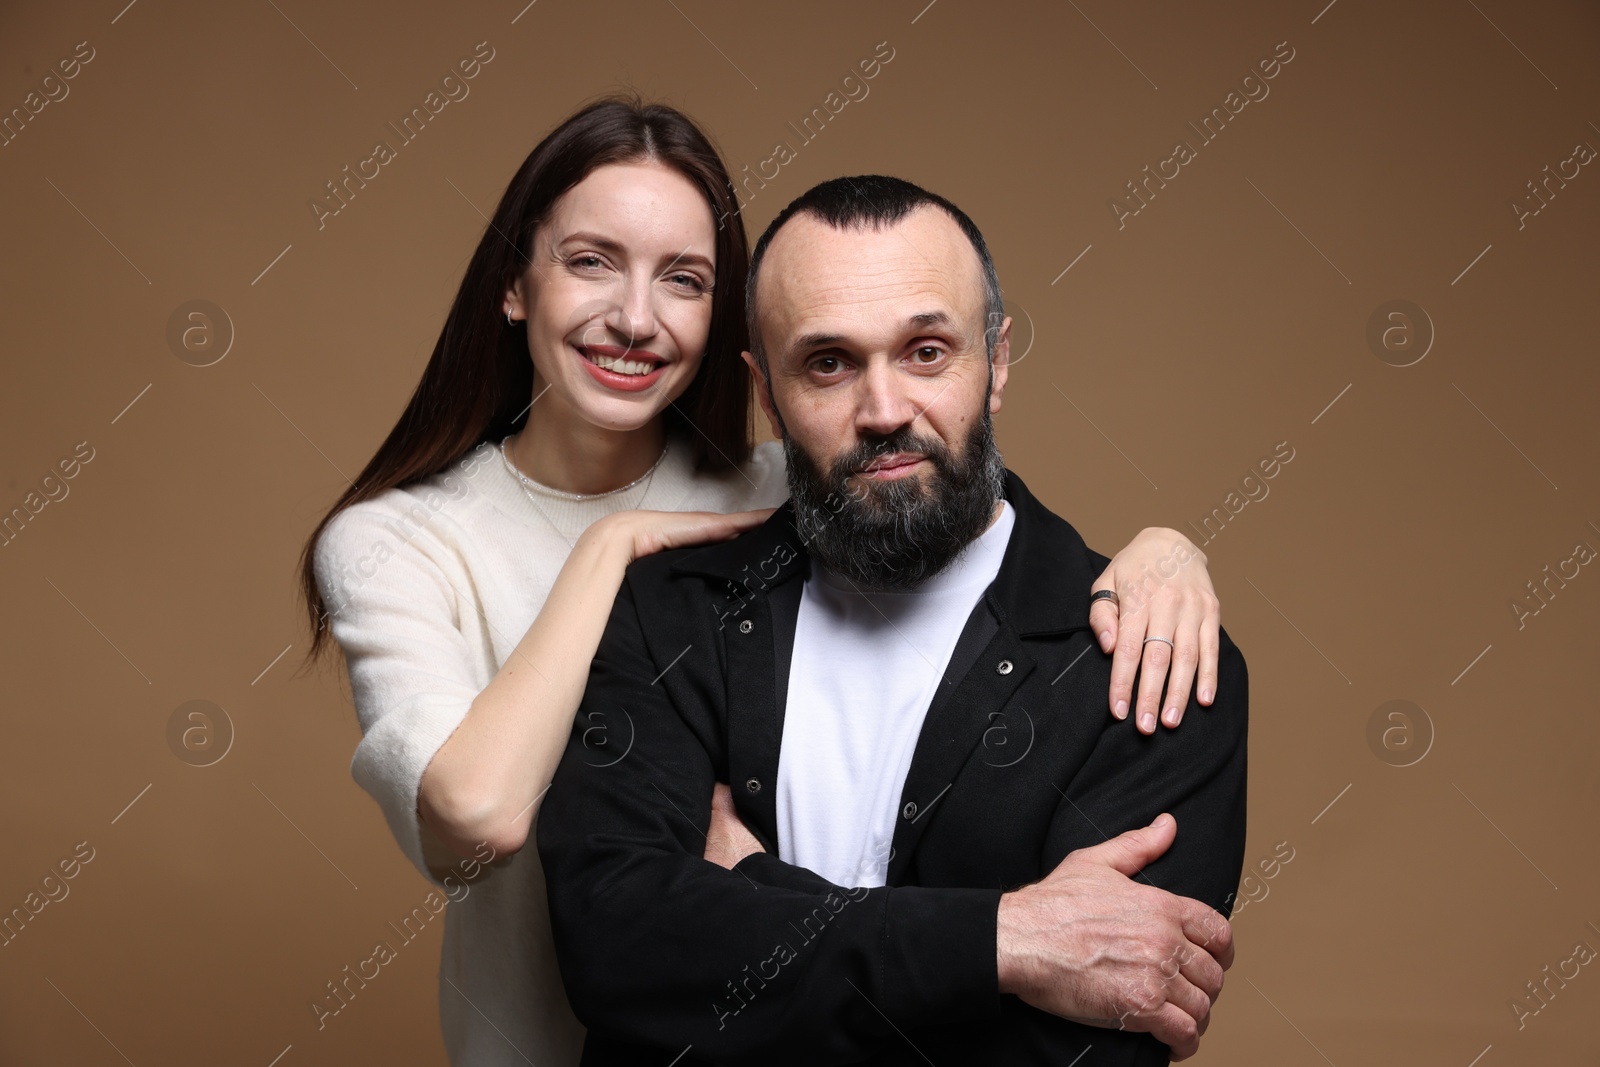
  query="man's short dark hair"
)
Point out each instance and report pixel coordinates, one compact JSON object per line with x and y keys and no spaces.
{"x":876,"y":201}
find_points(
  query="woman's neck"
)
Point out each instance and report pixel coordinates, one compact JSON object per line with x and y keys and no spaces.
{"x":566,"y":452}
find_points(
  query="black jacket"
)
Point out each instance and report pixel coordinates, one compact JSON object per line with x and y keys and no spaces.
{"x":1018,"y":763}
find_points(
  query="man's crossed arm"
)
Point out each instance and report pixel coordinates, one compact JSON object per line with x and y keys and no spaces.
{"x":767,"y":960}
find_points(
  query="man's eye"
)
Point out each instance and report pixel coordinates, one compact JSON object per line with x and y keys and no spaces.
{"x":926,"y":354}
{"x":826,"y":364}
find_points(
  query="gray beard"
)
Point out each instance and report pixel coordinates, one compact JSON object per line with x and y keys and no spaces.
{"x":893,"y":536}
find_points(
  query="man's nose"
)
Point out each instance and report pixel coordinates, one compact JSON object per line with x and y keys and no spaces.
{"x":883,"y":404}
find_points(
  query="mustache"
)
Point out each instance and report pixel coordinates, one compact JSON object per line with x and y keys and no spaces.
{"x":901,"y":440}
{"x":895,"y":535}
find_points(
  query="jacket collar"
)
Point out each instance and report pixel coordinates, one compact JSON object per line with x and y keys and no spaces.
{"x":1044,"y":579}
{"x":1042,"y":586}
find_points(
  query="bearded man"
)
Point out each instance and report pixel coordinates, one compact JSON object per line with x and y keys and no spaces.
{"x":936,"y":848}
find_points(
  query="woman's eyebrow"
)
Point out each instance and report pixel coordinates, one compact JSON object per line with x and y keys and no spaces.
{"x":615,"y":248}
{"x":600,"y":241}
{"x":693,"y":259}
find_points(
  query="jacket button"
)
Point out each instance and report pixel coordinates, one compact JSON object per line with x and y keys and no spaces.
{"x":746,"y":626}
{"x":753,"y":784}
{"x":910,"y":810}
{"x":1003,"y":667}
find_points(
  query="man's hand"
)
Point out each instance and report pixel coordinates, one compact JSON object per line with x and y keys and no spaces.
{"x":728,"y":840}
{"x":1089,"y":944}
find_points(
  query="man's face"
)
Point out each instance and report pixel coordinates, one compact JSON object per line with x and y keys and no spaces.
{"x":881,"y":390}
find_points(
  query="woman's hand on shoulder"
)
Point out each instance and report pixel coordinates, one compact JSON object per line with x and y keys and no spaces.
{"x":636,"y":534}
{"x":1164,"y":592}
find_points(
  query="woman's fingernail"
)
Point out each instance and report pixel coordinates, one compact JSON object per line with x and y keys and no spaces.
{"x":1171,"y":717}
{"x":1122,"y":709}
{"x":1147,"y":722}
{"x":1105,"y":640}
{"x":1205,"y":695}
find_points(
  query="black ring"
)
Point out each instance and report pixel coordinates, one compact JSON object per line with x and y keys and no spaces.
{"x":1106,"y":594}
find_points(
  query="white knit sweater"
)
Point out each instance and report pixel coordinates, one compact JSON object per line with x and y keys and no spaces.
{"x":430,"y":588}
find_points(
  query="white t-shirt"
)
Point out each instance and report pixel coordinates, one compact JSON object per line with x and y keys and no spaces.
{"x":429,"y":590}
{"x":864,"y":669}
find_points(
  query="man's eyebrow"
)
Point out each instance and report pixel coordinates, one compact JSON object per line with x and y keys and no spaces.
{"x":807,"y":341}
{"x":921,"y":320}
{"x":931,"y":318}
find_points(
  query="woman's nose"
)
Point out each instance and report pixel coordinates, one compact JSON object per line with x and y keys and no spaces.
{"x":634,"y":314}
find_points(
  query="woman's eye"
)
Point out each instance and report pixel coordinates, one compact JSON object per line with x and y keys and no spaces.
{"x":690,"y":282}
{"x":586,"y":261}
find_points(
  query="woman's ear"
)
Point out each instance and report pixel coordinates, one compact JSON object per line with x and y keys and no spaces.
{"x":514,"y":306}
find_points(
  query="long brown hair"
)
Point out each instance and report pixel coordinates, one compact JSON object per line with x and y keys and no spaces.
{"x":479,"y":381}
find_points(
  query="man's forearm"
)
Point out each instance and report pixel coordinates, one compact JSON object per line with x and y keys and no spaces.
{"x":769,"y":961}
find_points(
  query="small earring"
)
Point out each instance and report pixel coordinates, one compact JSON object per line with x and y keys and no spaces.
{"x":509,"y":320}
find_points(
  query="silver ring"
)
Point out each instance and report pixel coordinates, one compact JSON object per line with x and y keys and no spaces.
{"x":1164,"y":640}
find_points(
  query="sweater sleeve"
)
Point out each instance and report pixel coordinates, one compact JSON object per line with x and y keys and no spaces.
{"x":395,"y":615}
{"x":770,"y":474}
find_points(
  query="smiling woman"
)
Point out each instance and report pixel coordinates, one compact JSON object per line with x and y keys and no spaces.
{"x":624,"y":269}
{"x":611,"y":322}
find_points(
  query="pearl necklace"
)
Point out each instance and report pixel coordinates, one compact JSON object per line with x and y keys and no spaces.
{"x":529,"y":485}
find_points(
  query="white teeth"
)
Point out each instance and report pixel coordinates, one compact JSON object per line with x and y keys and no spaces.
{"x":618,"y":365}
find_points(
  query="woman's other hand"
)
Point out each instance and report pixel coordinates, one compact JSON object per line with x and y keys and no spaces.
{"x":1164,"y":591}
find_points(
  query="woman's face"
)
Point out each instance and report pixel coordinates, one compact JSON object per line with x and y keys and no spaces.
{"x":617,"y":297}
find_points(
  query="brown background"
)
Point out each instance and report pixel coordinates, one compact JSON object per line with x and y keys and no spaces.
{"x":1223,"y":319}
